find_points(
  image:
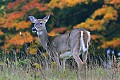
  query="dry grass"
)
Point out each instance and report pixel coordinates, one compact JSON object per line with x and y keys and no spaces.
{"x":15,"y":72}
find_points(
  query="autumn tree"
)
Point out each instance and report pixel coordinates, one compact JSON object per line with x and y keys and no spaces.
{"x":100,"y":17}
{"x":14,"y":20}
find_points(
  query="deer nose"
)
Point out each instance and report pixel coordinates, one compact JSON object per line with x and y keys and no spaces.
{"x":34,"y":29}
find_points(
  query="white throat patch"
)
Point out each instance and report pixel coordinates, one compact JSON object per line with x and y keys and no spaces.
{"x":39,"y":33}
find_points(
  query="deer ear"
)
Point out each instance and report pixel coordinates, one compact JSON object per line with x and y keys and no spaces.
{"x":32,"y":19}
{"x":46,"y":18}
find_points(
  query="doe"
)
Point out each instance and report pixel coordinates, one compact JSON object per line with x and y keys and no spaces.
{"x":70,"y":44}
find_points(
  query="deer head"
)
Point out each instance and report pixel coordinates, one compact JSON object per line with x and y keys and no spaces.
{"x":39,"y":24}
{"x":40,"y":28}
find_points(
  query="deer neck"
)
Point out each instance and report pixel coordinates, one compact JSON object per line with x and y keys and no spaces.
{"x":43,"y":37}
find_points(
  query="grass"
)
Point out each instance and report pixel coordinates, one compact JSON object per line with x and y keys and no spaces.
{"x":23,"y":70}
{"x":14,"y":72}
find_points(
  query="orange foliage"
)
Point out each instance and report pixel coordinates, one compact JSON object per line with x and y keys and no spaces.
{"x":55,"y":31}
{"x":64,"y":3}
{"x":91,"y":25}
{"x":82,"y":25}
{"x":108,"y":13}
{"x":94,"y":37}
{"x":115,"y":1}
{"x":67,"y":3}
{"x":22,"y":25}
{"x":14,"y":4}
{"x":18,"y":25}
{"x":18,"y":39}
{"x":27,"y":6}
{"x":113,"y":43}
{"x":15,"y":19}
{"x":12,"y":20}
{"x":9,"y":24}
{"x":15,"y":15}
{"x":1,"y":33}
{"x":34,"y":4}
{"x":2,"y":20}
{"x":94,"y":0}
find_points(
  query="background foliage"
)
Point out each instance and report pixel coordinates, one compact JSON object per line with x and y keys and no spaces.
{"x":100,"y":17}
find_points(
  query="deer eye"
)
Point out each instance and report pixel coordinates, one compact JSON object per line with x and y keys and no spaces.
{"x":41,"y":23}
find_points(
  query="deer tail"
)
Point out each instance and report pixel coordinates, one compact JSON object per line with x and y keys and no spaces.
{"x":83,"y":42}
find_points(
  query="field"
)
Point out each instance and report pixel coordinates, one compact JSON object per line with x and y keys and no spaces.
{"x":18,"y":71}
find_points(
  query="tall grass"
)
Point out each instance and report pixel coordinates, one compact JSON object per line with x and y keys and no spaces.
{"x":26,"y":69}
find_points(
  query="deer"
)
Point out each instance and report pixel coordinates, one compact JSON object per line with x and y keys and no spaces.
{"x":64,"y":46}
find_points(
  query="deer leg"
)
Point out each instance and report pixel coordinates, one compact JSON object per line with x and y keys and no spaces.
{"x":56,"y":59}
{"x":64,"y":60}
{"x":84,"y":62}
{"x":78,"y":61}
{"x":77,"y":58}
{"x":85,"y":57}
{"x":75,"y":53}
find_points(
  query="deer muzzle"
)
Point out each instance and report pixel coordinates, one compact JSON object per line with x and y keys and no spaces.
{"x":34,"y":29}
